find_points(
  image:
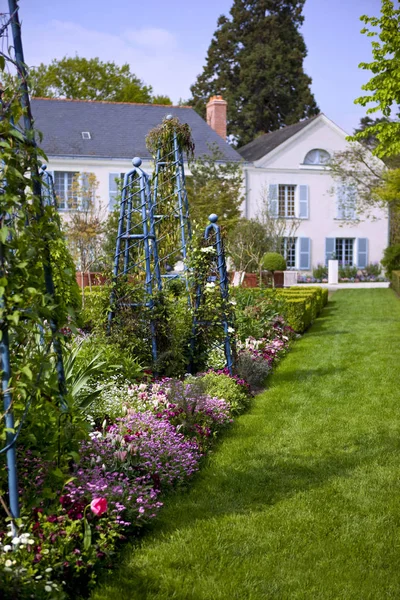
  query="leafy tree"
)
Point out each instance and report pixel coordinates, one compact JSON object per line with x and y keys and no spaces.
{"x":253,"y":238}
{"x":90,"y":79}
{"x":255,"y":60}
{"x":215,"y":186}
{"x":385,"y":83}
{"x":84,"y":224}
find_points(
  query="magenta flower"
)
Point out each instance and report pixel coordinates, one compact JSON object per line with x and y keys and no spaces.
{"x":99,"y":506}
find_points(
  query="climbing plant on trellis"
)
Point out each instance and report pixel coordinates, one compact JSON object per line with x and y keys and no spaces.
{"x":154,"y":249}
{"x":35,"y":290}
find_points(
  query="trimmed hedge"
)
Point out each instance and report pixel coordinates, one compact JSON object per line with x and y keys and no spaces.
{"x":300,"y":306}
{"x":298,"y":313}
{"x":396,"y":281}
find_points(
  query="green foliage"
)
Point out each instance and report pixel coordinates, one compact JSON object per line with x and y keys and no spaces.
{"x":347,"y":272}
{"x":215,"y":185}
{"x":111,"y":361}
{"x":272,"y":261}
{"x":90,"y":79}
{"x":320,"y":272}
{"x":396,"y":281}
{"x":254,"y":311}
{"x":212,"y":309}
{"x":30,"y":238}
{"x":162,"y":137}
{"x":255,"y":60}
{"x":95,"y":309}
{"x":218,"y":385}
{"x":298,"y":313}
{"x":247,"y":244}
{"x":391,"y":259}
{"x":385,"y":83}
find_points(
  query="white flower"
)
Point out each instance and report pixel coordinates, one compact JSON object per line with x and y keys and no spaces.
{"x":16,"y":541}
{"x":48,"y":588}
{"x":7,"y":548}
{"x":48,"y":570}
{"x":8,"y":563}
{"x":210,"y":285}
{"x":231,"y":330}
{"x":233,"y":302}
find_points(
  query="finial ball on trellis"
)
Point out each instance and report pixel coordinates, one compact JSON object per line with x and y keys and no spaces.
{"x":169,"y":117}
{"x":136,"y":161}
{"x":213,"y":218}
{"x":43,"y":167}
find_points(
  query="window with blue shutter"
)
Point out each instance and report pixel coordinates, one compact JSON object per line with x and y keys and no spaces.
{"x":305,"y":253}
{"x":362,"y":253}
{"x":330,"y":245}
{"x":303,"y":202}
{"x":273,"y":199}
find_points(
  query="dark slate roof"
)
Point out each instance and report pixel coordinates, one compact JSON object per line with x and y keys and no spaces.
{"x":117,"y":130}
{"x":269,"y":141}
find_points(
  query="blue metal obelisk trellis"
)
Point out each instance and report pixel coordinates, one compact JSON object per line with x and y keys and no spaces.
{"x":153,"y":233}
{"x":5,"y":220}
{"x":218,"y":275}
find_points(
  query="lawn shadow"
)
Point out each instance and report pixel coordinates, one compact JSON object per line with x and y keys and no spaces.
{"x":246,"y":487}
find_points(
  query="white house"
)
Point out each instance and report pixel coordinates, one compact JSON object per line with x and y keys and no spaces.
{"x":103,"y":137}
{"x":289,"y":166}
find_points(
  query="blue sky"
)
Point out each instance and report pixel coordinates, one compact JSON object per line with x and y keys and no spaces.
{"x":166,"y":43}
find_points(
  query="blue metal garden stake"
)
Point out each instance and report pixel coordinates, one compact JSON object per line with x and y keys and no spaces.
{"x":223,"y":285}
{"x":37,"y":191}
{"x":9,"y":417}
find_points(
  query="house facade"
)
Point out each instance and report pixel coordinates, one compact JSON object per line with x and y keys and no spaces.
{"x":287,"y":169}
{"x":102,"y":138}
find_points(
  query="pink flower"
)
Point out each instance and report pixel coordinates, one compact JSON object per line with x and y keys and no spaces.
{"x":99,"y":506}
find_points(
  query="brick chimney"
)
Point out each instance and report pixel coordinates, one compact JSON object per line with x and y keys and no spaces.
{"x":216,"y":115}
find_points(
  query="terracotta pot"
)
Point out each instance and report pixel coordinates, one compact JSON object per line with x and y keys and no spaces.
{"x":279,"y":278}
{"x":250,"y":280}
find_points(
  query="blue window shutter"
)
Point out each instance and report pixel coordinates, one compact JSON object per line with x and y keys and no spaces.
{"x":303,"y":202}
{"x":329,"y":248}
{"x":273,"y":199}
{"x":362,"y":254}
{"x":305,"y":254}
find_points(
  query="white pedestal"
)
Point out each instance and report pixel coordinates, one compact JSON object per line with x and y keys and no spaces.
{"x":333,"y":272}
{"x":289,"y":278}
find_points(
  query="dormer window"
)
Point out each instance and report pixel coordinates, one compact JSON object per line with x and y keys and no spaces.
{"x":317,"y":157}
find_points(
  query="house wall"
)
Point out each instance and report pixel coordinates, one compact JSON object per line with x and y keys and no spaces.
{"x":101,"y":168}
{"x":284,"y":166}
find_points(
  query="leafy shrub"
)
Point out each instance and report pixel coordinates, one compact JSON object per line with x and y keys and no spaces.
{"x":391,"y":259}
{"x":347,"y":272}
{"x":272,"y":261}
{"x":396,"y":281}
{"x":320,"y":272}
{"x":221,"y":385}
{"x":253,"y":369}
{"x":373,"y":270}
{"x":115,"y":361}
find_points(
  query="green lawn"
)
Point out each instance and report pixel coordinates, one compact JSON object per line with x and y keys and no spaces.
{"x":302,"y":497}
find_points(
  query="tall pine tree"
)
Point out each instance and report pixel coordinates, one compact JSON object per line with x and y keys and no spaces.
{"x":255,"y":61}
